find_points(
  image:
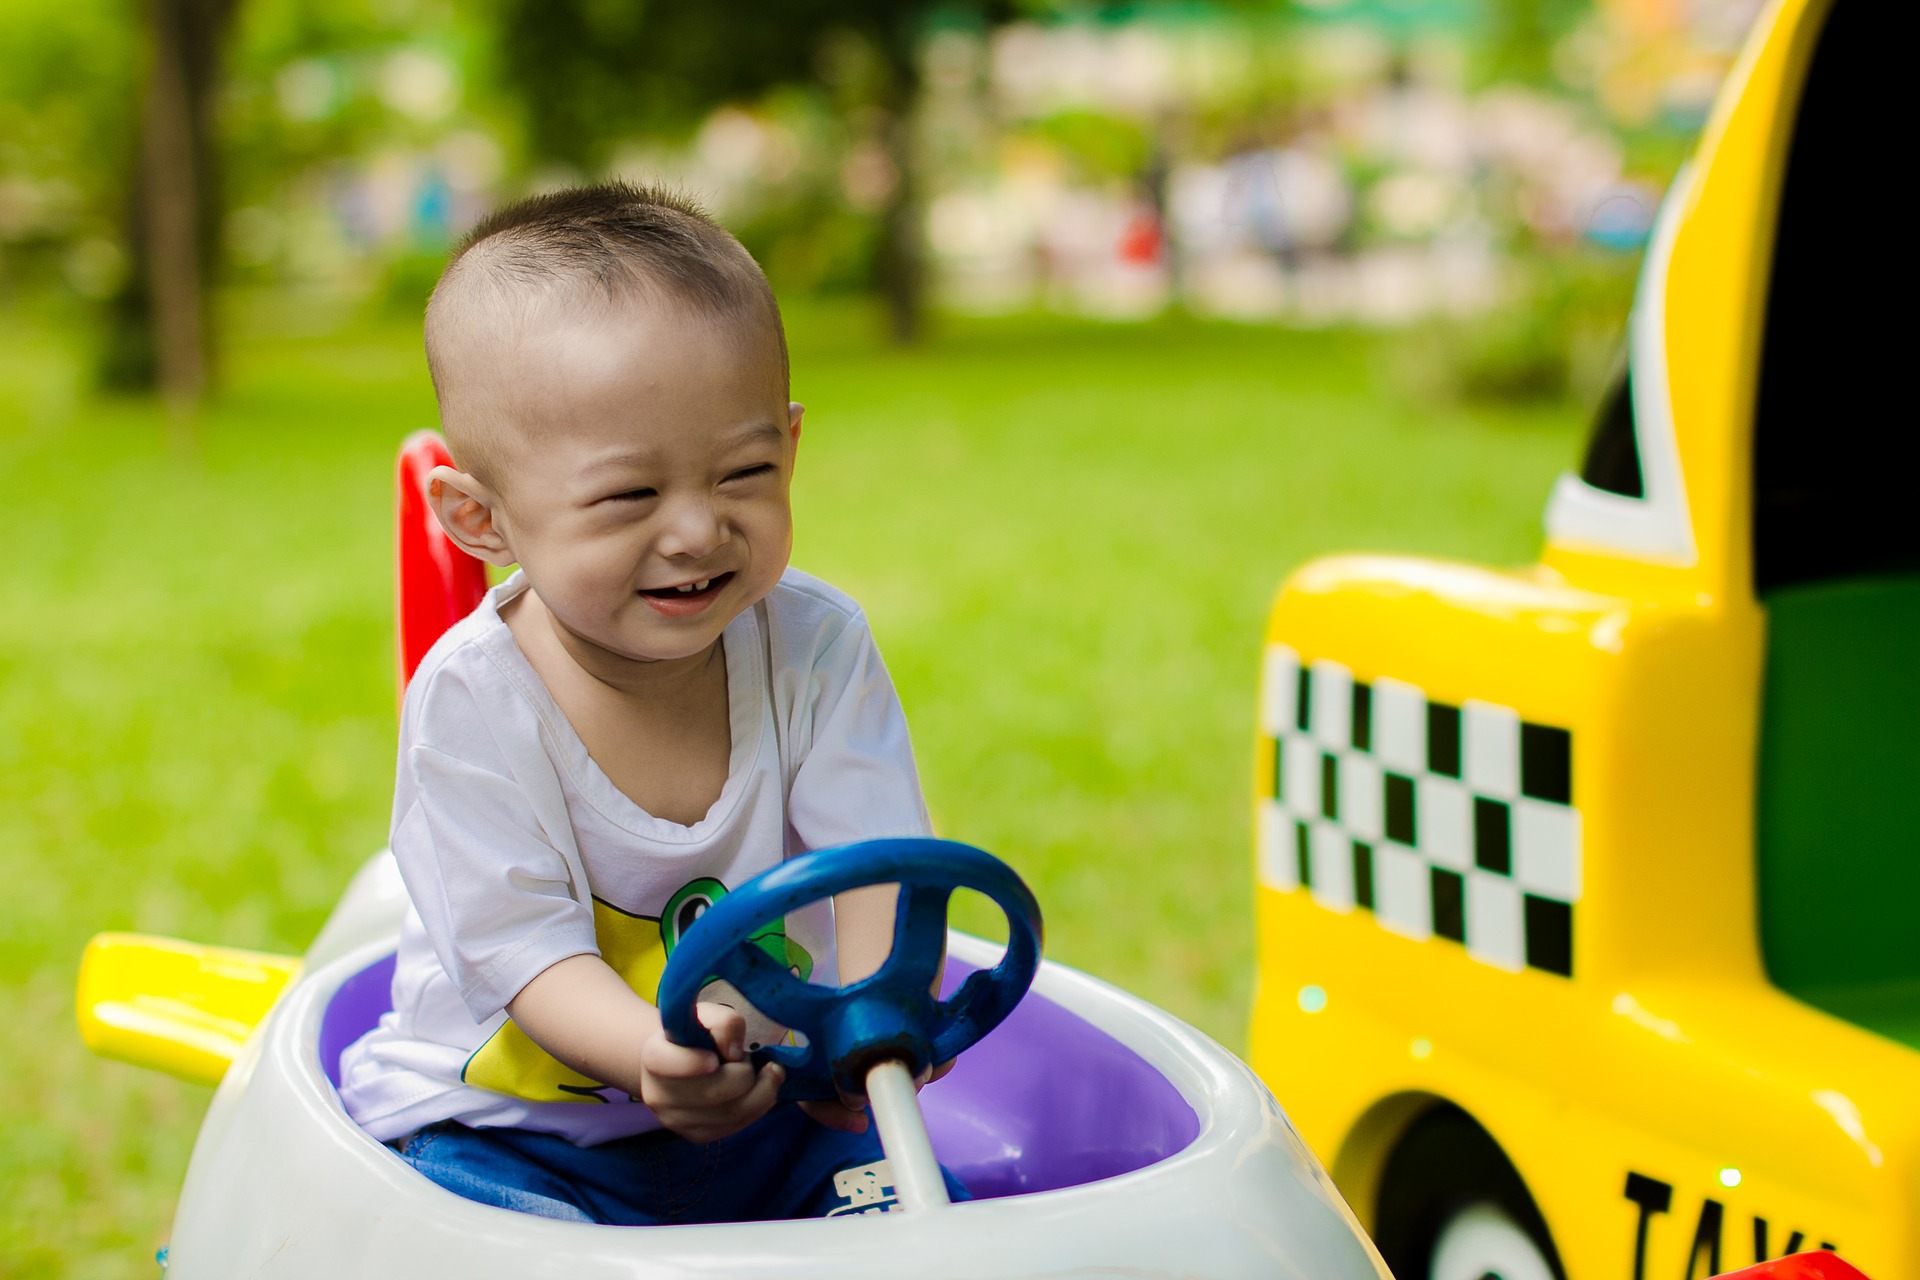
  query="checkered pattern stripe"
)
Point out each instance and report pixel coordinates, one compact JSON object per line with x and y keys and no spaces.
{"x":1456,"y":821}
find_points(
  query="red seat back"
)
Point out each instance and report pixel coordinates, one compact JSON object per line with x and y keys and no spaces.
{"x":435,"y":583}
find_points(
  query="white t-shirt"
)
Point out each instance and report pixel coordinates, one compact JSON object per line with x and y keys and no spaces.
{"x":518,"y":851}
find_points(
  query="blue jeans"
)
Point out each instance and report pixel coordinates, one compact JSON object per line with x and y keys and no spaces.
{"x":784,"y":1165}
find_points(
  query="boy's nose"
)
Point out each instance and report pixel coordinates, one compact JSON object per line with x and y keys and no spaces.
{"x":692,"y":528}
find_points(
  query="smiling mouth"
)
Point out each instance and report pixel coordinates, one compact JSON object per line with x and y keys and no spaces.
{"x":695,"y":590}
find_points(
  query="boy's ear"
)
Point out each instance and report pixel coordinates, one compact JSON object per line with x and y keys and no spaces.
{"x":467,"y":510}
{"x":795,"y":412}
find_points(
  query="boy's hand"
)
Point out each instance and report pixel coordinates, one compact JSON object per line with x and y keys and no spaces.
{"x":850,"y":1114}
{"x":699,"y":1096}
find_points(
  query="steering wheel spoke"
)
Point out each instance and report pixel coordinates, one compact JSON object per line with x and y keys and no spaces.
{"x":919,"y":935}
{"x":978,"y":1006}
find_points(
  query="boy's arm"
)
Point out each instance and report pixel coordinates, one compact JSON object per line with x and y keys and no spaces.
{"x":863,"y":930}
{"x":856,"y":780}
{"x":585,"y":1015}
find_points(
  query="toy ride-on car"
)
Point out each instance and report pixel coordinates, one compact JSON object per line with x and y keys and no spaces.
{"x":1589,"y":904}
{"x":1096,"y":1134}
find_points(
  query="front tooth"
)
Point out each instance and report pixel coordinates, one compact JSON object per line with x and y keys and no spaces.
{"x":703,"y":584}
{"x":685,"y":588}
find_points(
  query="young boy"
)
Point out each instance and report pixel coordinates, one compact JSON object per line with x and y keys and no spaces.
{"x":654,"y":709}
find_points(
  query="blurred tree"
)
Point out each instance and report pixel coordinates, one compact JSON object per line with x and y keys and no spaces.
{"x":590,"y":72}
{"x":66,"y":77}
{"x":1522,"y":34}
{"x":159,"y":319}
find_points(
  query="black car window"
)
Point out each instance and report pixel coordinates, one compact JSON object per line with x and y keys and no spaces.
{"x":1613,"y":450}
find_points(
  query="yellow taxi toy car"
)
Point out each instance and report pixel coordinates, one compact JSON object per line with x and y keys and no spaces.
{"x":1589,"y":893}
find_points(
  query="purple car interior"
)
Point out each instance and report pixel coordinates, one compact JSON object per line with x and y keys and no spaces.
{"x":1046,"y":1101}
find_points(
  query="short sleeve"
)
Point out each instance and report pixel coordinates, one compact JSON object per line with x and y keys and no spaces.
{"x":856,"y":779}
{"x":499,"y":896}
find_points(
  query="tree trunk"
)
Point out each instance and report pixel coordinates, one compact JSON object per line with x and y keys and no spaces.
{"x":170,"y":169}
{"x":902,"y":259}
{"x":175,"y":213}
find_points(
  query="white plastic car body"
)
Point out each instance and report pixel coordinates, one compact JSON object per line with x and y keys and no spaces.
{"x":1101,"y":1136}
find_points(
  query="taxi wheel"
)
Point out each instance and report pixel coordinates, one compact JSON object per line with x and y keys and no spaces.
{"x":1480,"y":1242}
{"x":1447,"y":1179}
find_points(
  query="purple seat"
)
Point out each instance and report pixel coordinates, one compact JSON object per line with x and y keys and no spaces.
{"x":1046,"y":1101}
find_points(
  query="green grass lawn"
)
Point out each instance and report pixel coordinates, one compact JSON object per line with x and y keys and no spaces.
{"x":1066,"y":534}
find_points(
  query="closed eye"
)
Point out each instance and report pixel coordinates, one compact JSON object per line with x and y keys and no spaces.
{"x":748,"y":473}
{"x":633,"y":495}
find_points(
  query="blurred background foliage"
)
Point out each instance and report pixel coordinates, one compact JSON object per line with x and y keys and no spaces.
{"x":1107,"y":314}
{"x":1481,"y":170}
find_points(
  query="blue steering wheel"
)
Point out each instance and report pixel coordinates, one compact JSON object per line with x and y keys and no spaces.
{"x":893,"y":1013}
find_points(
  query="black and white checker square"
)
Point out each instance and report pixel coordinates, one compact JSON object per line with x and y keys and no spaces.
{"x":1456,"y":821}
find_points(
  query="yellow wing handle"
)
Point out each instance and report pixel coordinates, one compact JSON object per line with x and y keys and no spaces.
{"x":179,"y":1007}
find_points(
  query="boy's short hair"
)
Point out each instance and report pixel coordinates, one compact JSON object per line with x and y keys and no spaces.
{"x":612,"y":238}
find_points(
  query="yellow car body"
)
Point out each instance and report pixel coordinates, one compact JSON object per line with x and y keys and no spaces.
{"x":1506,"y":822}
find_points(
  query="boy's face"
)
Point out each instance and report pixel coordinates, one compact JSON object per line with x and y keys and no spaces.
{"x":645,"y":457}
